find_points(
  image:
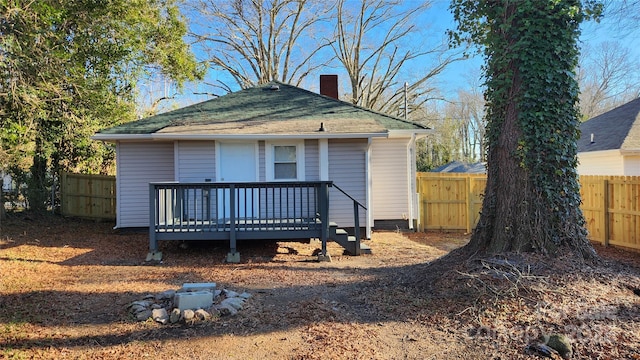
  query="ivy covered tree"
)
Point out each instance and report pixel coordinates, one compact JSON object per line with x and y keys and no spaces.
{"x":69,"y":68}
{"x":532,"y":199}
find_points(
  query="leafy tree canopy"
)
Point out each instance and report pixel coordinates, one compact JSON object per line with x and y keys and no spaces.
{"x":69,"y":68}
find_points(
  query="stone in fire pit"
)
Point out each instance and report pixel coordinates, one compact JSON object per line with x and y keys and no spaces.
{"x":192,"y":303}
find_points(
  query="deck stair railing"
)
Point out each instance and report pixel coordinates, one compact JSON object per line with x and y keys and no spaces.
{"x":356,"y":221}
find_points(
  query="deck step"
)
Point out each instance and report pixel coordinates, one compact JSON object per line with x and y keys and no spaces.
{"x":364,"y":248}
{"x":348,"y":242}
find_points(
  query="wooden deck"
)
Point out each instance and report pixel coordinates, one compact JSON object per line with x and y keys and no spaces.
{"x":238,"y":211}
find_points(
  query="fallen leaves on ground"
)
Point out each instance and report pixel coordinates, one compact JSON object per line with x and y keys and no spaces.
{"x":65,"y":285}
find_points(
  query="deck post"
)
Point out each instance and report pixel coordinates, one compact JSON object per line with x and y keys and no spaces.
{"x":233,"y":256}
{"x":153,"y":254}
{"x":356,"y":228}
{"x":323,"y":205}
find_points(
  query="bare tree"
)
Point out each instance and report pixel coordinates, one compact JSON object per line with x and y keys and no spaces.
{"x":443,"y":145}
{"x":257,"y":41}
{"x":369,"y":44}
{"x":608,"y":77}
{"x":468,"y":112}
{"x":624,"y":16}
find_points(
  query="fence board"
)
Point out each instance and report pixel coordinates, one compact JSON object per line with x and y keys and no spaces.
{"x":88,"y":196}
{"x":446,"y":201}
{"x":611,"y":205}
{"x":593,"y":191}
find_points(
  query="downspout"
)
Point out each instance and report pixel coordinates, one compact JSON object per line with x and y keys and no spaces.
{"x":118,"y":192}
{"x":411,"y":176}
{"x":369,"y":189}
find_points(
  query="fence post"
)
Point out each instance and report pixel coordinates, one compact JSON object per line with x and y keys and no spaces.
{"x":1,"y":200}
{"x":63,"y":194}
{"x":605,"y":210}
{"x":468,"y":202}
{"x":422,"y":206}
{"x":419,"y":202}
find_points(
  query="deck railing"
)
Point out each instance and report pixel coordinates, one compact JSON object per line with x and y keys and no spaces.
{"x":356,"y":218}
{"x":236,"y":211}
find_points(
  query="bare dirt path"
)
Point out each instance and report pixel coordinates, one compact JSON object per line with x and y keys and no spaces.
{"x":65,"y":285}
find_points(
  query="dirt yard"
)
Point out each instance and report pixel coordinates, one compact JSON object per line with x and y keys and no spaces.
{"x":65,"y":286}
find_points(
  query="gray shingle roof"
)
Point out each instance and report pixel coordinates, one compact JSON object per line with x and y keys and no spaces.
{"x":616,"y":129}
{"x":462,"y":167}
{"x":273,"y":108}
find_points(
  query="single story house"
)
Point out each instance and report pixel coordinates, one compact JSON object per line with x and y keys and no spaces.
{"x":609,"y":143}
{"x":269,"y":134}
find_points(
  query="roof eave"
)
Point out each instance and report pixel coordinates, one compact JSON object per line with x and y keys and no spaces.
{"x":118,"y":137}
{"x":631,"y":152}
{"x":170,"y":136}
{"x":605,"y":152}
{"x":420,"y":133}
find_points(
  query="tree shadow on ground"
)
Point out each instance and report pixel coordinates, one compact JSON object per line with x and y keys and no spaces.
{"x":440,"y":293}
{"x":389,"y":294}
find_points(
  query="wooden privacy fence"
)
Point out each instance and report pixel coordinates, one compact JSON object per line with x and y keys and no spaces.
{"x":611,"y":205}
{"x":88,"y":196}
{"x":450,"y":201}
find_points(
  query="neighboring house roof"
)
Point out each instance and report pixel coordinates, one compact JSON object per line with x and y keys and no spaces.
{"x":461,"y":167}
{"x":273,"y":108}
{"x":616,"y":129}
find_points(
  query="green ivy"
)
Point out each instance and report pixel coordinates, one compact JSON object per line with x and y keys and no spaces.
{"x":530,"y":50}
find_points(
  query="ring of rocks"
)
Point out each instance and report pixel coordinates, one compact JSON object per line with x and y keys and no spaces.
{"x":191,"y":304}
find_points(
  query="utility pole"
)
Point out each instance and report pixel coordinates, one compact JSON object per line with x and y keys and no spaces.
{"x":406,"y":103}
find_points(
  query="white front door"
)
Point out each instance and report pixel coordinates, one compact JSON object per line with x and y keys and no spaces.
{"x":237,"y":162}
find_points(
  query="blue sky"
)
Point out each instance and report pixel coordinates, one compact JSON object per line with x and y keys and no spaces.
{"x":436,"y":20}
{"x":593,"y":33}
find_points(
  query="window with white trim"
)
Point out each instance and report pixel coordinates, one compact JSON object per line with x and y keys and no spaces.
{"x":285,"y":161}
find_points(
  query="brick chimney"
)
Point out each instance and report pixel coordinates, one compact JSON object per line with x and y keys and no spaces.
{"x":329,"y":85}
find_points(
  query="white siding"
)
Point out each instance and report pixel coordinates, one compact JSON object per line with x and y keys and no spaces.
{"x":312,"y":160}
{"x":138,"y":165}
{"x":390,"y":188}
{"x":262,"y":171}
{"x":347,"y":169}
{"x":196,"y":161}
{"x":608,"y":162}
{"x":632,"y":165}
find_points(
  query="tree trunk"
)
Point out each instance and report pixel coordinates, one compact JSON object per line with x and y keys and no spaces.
{"x":515,"y":215}
{"x":2,"y":210}
{"x":532,"y":200}
{"x":37,"y":193}
{"x":503,"y":219}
